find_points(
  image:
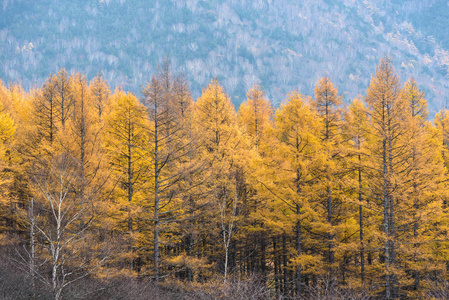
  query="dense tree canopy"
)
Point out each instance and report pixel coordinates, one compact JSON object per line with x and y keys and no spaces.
{"x":315,"y":199}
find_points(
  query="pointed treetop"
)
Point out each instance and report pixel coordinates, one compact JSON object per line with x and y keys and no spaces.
{"x":415,"y":99}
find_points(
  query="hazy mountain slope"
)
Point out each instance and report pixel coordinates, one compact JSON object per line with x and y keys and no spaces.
{"x":282,"y":45}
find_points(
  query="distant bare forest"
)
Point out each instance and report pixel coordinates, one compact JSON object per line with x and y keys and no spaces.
{"x":279,"y":45}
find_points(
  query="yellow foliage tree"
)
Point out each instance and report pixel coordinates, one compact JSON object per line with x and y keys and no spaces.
{"x":327,"y":103}
{"x":293,"y":164}
{"x":219,"y":139}
{"x":126,"y":139}
{"x":425,"y":189}
{"x":255,"y":116}
{"x":356,"y":129}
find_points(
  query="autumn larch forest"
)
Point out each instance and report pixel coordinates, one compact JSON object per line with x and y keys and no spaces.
{"x":107,"y":195}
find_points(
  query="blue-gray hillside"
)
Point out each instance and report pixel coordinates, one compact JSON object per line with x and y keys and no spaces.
{"x":281,"y":45}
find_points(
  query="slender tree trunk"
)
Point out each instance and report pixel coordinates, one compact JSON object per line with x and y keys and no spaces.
{"x":392,"y":230}
{"x":233,"y":261}
{"x":130,"y":193}
{"x":298,"y":250}
{"x":331,"y":258}
{"x":192,"y":221}
{"x":242,"y":268}
{"x":415,"y":235}
{"x":32,"y":249}
{"x":82,"y":133}
{"x":284,"y":257}
{"x":392,"y":246}
{"x":227,"y":230}
{"x":362,"y":247}
{"x":298,"y":226}
{"x":386,"y":221}
{"x":156,"y":200}
{"x":226,"y":263}
{"x":63,"y":108}
{"x":276,"y":267}
{"x":263,"y":266}
{"x":247,"y":258}
{"x":51,"y":118}
{"x":56,"y":248}
{"x":331,"y":240}
{"x":189,"y":254}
